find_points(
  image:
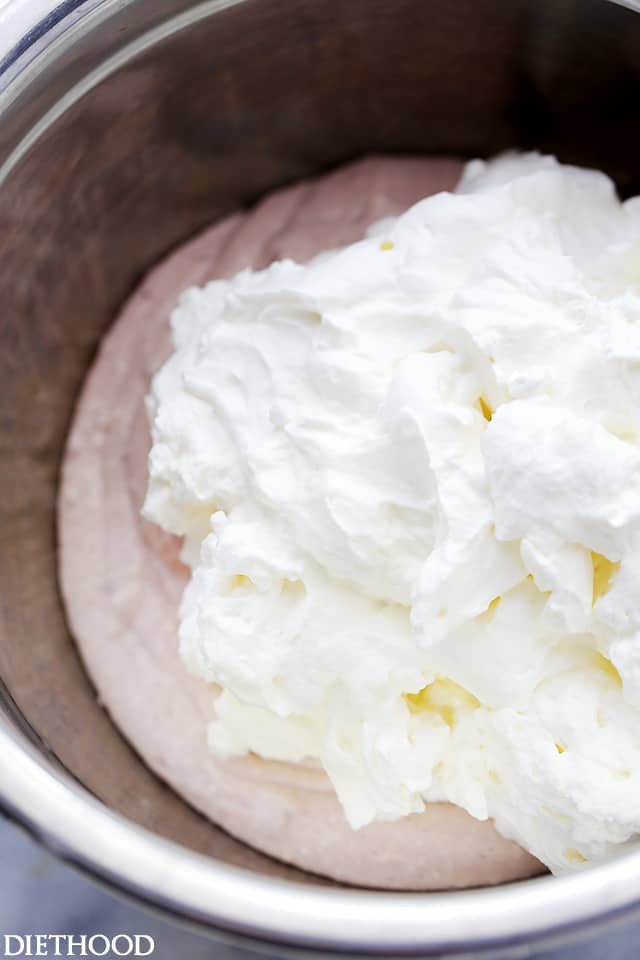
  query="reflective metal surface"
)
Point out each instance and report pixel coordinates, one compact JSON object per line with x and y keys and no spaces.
{"x":125,"y":126}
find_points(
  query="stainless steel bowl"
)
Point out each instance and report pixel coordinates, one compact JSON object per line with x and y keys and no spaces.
{"x":125,"y":126}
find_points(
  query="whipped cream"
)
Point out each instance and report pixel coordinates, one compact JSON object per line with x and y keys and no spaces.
{"x":407,"y":475}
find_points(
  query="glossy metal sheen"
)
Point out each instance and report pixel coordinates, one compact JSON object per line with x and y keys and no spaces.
{"x":125,"y":126}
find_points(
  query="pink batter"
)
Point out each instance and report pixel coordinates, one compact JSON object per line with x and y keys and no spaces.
{"x":122,"y":580}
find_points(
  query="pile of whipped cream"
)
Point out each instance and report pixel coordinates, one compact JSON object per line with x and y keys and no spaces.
{"x":408,"y":478}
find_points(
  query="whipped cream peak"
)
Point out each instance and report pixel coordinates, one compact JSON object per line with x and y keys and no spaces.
{"x":408,"y":478}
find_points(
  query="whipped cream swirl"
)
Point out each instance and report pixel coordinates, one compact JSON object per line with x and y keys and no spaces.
{"x":408,"y":478}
